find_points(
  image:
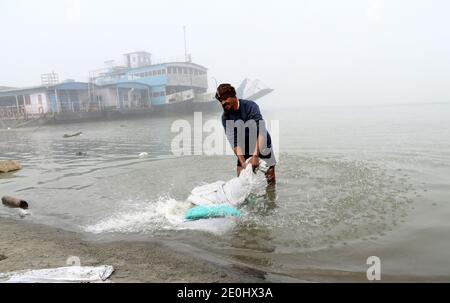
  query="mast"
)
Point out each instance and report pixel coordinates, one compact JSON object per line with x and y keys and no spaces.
{"x":186,"y":55}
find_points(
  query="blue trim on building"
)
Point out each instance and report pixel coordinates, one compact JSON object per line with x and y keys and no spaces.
{"x":24,"y":91}
{"x":72,"y":86}
{"x":151,"y":80}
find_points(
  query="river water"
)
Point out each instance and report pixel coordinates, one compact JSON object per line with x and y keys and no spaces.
{"x":352,"y":182}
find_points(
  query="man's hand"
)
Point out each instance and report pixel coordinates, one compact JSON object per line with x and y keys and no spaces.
{"x":254,"y":161}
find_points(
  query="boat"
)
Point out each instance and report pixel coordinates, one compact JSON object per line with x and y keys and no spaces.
{"x":172,"y":87}
{"x":138,"y":87}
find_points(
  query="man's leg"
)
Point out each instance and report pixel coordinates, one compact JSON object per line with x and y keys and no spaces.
{"x":270,"y":175}
{"x":271,"y":194}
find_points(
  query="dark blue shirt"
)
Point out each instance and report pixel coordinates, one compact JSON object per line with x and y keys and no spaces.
{"x":247,"y":111}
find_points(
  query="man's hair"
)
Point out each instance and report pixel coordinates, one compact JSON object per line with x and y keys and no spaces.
{"x":225,"y":91}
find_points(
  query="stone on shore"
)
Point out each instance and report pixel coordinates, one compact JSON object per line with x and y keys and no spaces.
{"x":9,"y":165}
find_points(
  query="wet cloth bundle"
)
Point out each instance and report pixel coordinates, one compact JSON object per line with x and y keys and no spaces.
{"x":221,"y":199}
{"x":233,"y":192}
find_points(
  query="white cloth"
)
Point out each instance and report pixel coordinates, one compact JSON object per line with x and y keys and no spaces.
{"x":233,"y":192}
{"x":69,"y":274}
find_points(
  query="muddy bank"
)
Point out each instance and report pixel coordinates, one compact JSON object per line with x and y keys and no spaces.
{"x":31,"y":246}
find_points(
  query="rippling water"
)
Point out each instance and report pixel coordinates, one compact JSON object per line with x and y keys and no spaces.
{"x":351,"y":183}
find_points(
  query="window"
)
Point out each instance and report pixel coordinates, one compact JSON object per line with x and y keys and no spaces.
{"x":142,"y":75}
{"x":27,"y":100}
{"x":180,"y":70}
{"x":185,"y":70}
{"x":154,"y":73}
{"x":159,"y":72}
{"x":40,"y":99}
{"x":163,"y":71}
{"x":158,"y":94}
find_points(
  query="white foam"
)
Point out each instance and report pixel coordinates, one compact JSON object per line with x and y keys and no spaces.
{"x":143,"y":217}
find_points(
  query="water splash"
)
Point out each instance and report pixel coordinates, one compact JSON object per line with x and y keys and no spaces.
{"x":142,"y":217}
{"x":160,"y":214}
{"x":324,"y":201}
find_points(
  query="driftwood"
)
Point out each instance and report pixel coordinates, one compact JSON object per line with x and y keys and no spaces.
{"x":72,"y":135}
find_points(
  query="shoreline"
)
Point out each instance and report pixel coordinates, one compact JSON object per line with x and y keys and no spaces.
{"x":25,"y":245}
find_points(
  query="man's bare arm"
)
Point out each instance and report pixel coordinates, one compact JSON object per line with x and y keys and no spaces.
{"x":255,"y":156}
{"x":238,"y":152}
{"x":259,"y":143}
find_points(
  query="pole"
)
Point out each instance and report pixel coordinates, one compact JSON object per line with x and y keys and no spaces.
{"x":56,"y":99}
{"x":185,"y":50}
{"x":89,"y":90}
{"x":17,"y":105}
{"x":117,"y":96}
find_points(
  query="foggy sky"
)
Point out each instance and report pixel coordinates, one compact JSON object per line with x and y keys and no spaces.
{"x":311,"y":52}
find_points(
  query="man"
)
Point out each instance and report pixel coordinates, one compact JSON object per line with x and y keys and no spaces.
{"x":243,"y":119}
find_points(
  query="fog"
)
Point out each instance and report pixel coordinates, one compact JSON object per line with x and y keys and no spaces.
{"x":311,"y":52}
